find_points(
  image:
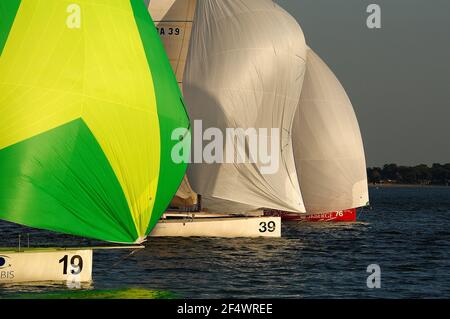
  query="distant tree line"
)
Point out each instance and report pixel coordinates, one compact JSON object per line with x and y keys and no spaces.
{"x":437,"y":174}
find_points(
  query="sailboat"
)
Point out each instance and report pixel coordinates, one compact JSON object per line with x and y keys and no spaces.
{"x":239,"y":74}
{"x":328,"y":154}
{"x":88,"y":106}
{"x":186,"y":216}
{"x":328,"y":149}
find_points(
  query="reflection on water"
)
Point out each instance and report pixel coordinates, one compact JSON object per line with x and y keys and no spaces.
{"x":406,"y":233}
{"x":39,"y":287}
{"x":49,"y":292}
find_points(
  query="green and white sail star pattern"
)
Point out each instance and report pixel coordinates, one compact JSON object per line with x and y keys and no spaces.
{"x":86,"y":119}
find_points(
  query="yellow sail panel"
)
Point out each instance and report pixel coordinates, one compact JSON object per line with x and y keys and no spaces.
{"x":120,"y":104}
{"x":43,"y":77}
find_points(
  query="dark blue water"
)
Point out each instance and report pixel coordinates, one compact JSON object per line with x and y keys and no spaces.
{"x":407,"y":234}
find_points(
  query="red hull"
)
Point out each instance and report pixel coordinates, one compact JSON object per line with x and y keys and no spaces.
{"x":348,"y":215}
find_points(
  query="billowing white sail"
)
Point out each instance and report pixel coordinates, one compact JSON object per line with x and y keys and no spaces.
{"x":245,"y":69}
{"x":328,"y":148}
{"x":174,"y":19}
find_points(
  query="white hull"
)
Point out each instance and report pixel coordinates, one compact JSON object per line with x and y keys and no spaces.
{"x":208,"y":225}
{"x":32,"y":265}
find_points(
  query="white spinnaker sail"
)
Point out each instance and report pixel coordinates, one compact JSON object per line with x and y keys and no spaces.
{"x":328,"y":148}
{"x":245,"y":69}
{"x":174,"y":19}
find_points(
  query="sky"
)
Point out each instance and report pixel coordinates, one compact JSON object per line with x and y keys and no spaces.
{"x":397,"y":77}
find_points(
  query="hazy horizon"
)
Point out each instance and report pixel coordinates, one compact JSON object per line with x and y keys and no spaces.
{"x":398,"y":77}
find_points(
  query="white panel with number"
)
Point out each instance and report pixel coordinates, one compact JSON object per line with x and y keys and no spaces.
{"x":54,"y":265}
{"x":230,"y":227}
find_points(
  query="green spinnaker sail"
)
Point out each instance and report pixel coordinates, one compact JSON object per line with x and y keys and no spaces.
{"x":88,"y":103}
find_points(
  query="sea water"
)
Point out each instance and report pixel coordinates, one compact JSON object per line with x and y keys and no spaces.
{"x":406,"y":234}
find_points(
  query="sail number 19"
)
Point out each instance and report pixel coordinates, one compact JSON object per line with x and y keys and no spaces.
{"x":267,"y":227}
{"x":76,"y":262}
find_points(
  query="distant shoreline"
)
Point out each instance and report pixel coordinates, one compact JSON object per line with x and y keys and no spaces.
{"x":404,"y":185}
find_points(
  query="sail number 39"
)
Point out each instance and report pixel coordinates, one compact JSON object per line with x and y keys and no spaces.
{"x":168,"y":31}
{"x":267,"y":227}
{"x":76,"y":262}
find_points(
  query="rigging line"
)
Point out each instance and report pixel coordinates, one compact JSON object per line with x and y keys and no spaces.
{"x":187,"y":114}
{"x":126,"y":256}
{"x":363,"y":210}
